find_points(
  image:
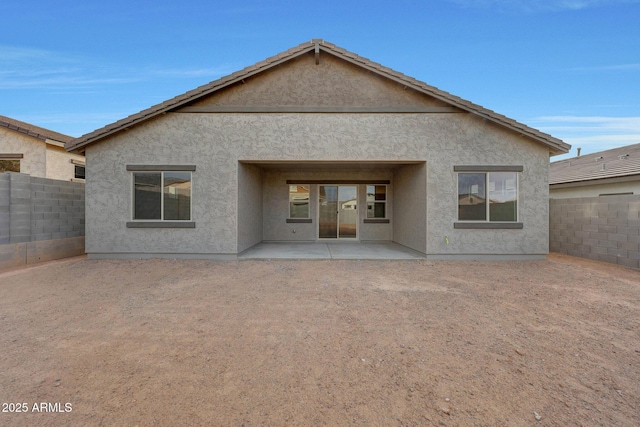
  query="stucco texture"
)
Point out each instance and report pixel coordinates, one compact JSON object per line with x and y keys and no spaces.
{"x":33,"y":151}
{"x":39,"y":159}
{"x":331,"y":83}
{"x":234,"y":153}
{"x":276,"y":202}
{"x":59,"y":164}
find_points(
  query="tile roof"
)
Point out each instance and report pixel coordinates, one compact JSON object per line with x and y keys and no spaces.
{"x":32,"y":130}
{"x":618,"y":162}
{"x":555,"y":145}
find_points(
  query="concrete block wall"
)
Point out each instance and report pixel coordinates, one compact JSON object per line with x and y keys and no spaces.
{"x":57,"y":209}
{"x":605,"y":228}
{"x":42,"y":210}
{"x":5,"y":209}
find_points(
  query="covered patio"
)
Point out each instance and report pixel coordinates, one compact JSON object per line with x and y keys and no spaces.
{"x":338,"y":207}
{"x":331,"y":250}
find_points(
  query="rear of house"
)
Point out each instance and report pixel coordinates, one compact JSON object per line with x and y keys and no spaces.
{"x":317,"y":144}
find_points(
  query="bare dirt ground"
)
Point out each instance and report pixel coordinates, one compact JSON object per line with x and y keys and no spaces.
{"x":273,"y":343}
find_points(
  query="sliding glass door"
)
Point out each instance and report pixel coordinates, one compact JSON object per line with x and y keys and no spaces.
{"x":338,"y":211}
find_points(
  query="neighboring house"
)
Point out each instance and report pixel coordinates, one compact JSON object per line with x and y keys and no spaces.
{"x":36,"y":151}
{"x":606,"y":173}
{"x":594,"y":206}
{"x":319,"y":125}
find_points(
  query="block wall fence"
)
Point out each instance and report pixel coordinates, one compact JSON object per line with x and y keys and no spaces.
{"x":605,"y":228}
{"x":41,"y":219}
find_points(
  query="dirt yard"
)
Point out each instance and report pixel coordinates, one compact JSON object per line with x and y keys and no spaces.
{"x":274,"y":343}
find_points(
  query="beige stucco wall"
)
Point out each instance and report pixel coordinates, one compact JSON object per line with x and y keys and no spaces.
{"x":33,"y":150}
{"x":40,"y":159}
{"x":58,"y":164}
{"x":225,"y":196}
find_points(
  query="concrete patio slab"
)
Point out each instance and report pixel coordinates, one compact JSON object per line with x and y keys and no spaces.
{"x":330,"y":250}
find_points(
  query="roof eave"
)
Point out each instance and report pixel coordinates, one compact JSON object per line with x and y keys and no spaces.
{"x":44,"y":135}
{"x":54,"y":142}
{"x":596,"y":181}
{"x":555,"y":145}
{"x":188,"y":97}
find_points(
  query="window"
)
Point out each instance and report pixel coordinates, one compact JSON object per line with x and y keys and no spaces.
{"x":9,"y":165}
{"x":78,"y":172}
{"x":162,"y":196}
{"x":490,"y":196}
{"x":298,"y":201}
{"x":10,"y":162}
{"x":376,"y":201}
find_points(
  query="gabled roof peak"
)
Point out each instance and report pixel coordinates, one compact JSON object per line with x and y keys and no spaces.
{"x":317,"y":45}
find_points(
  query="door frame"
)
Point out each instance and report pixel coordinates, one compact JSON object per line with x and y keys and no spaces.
{"x":357,"y":221}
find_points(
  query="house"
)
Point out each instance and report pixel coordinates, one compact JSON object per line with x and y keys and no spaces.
{"x":272,"y":152}
{"x":594,"y":206}
{"x":36,"y":151}
{"x":605,"y":173}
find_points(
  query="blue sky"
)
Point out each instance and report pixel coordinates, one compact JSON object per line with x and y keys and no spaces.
{"x":567,"y":67}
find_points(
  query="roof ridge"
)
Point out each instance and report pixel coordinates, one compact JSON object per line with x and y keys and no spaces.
{"x":556,"y":145}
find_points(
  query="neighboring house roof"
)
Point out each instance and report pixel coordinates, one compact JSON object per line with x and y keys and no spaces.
{"x":556,"y":146}
{"x":470,"y":199}
{"x":46,"y":135}
{"x":616,"y":163}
